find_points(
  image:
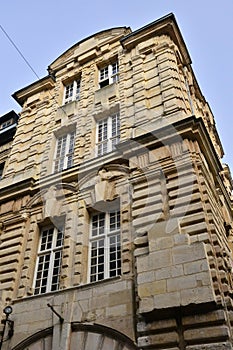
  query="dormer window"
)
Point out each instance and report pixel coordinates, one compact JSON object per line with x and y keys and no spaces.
{"x":1,"y":169}
{"x":108,"y":74}
{"x":6,"y":124}
{"x":72,"y":92}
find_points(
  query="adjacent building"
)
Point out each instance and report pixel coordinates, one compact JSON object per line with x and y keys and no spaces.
{"x":115,"y":206}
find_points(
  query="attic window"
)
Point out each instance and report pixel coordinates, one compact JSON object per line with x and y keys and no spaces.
{"x":108,"y":74}
{"x":1,"y":169}
{"x":72,"y":92}
{"x":6,"y":124}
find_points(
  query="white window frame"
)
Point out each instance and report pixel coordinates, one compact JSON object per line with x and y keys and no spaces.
{"x":107,"y":134}
{"x":64,"y":152}
{"x":108,"y":74}
{"x":72,"y":91}
{"x":7,"y":123}
{"x":105,"y":234}
{"x":47,"y":274}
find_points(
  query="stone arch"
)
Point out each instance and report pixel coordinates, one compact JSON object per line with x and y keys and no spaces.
{"x":83,"y":337}
{"x":98,"y":337}
{"x":39,"y":196}
{"x":44,"y":336}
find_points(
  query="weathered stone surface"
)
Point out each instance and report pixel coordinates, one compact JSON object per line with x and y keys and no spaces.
{"x":161,"y":170}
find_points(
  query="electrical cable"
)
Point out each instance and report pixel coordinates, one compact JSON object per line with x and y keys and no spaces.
{"x":18,"y":50}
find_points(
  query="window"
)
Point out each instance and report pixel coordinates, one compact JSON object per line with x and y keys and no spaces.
{"x":105,"y":246}
{"x":108,"y":75}
{"x":108,"y":134}
{"x":49,"y":259}
{"x":72,"y":92}
{"x":6,"y":123}
{"x":1,"y":169}
{"x":64,"y":152}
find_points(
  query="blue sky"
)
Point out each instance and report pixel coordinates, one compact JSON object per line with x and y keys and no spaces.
{"x":42,"y":30}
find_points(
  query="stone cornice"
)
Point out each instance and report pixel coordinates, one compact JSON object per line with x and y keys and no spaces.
{"x":166,"y":25}
{"x":45,"y":83}
{"x":88,"y":48}
{"x":192,"y":128}
{"x":17,"y":189}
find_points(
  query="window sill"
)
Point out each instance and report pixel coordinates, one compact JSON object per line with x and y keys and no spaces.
{"x":106,"y":93}
{"x":68,"y":108}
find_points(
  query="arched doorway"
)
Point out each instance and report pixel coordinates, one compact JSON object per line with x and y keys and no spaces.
{"x":83,"y":337}
{"x":98,"y":337}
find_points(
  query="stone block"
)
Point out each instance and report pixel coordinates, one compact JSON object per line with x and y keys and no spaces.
{"x":146,"y":305}
{"x":161,"y":243}
{"x":213,"y":346}
{"x":181,"y":283}
{"x":195,"y":267}
{"x":197,"y":295}
{"x":167,"y":300}
{"x":207,"y":334}
{"x":152,"y":288}
{"x":117,"y":311}
{"x":146,"y":277}
{"x":159,"y":339}
{"x":155,"y":260}
{"x":184,"y":254}
{"x":181,"y":239}
{"x":217,"y":316}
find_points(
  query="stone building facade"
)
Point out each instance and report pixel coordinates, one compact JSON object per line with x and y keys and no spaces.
{"x":115,"y":207}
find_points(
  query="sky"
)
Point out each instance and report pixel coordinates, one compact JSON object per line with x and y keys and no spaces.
{"x":34,"y":33}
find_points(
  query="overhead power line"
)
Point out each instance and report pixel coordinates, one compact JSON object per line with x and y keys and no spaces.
{"x":18,"y":50}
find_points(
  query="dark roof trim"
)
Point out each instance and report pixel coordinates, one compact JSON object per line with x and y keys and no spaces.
{"x":9,"y":115}
{"x":157,"y":21}
{"x":16,"y":94}
{"x":177,"y":33}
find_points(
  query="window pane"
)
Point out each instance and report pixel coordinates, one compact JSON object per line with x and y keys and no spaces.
{"x":102,"y":130}
{"x":60,"y":237}
{"x":114,"y":221}
{"x":77,"y":95}
{"x":60,"y":154}
{"x":115,"y":70}
{"x":114,"y":256}
{"x":105,"y":258}
{"x":98,"y":224}
{"x":42,"y":274}
{"x":70,"y":151}
{"x":108,"y":134}
{"x":68,"y":93}
{"x":64,"y":152}
{"x":56,"y":270}
{"x":97,"y":260}
{"x":104,"y":73}
{"x":46,"y":239}
{"x":49,"y":261}
{"x":115,"y":125}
